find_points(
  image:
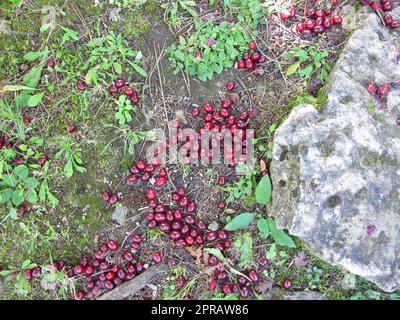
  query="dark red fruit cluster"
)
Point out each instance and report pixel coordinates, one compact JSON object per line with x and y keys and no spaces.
{"x":105,"y":269}
{"x":292,"y":14}
{"x":142,"y":171}
{"x":36,"y":272}
{"x":221,"y":121}
{"x":319,"y":20}
{"x":380,"y":92}
{"x":251,"y":58}
{"x":109,"y":267}
{"x":180,"y":223}
{"x":222,"y":281}
{"x":382,"y":7}
{"x":110,"y":198}
{"x":120,"y":86}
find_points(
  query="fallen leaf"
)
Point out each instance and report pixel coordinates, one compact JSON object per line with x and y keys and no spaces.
{"x":258,"y":71}
{"x":230,"y":211}
{"x":301,"y":260}
{"x":234,"y":96}
{"x":263,"y":165}
{"x":197,"y":253}
{"x":265,"y":286}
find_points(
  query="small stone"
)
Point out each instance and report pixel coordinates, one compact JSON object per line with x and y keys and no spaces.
{"x":213,"y":226}
{"x":119,"y":215}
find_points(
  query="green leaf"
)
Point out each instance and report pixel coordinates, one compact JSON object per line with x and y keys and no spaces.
{"x":279,"y":236}
{"x":271,"y":254}
{"x":69,"y":169}
{"x":246,"y":251}
{"x":241,"y":221}
{"x":32,"y":196}
{"x":215,"y":252}
{"x":264,"y":190}
{"x":10,"y":180}
{"x":45,"y":27}
{"x":17,"y":197}
{"x":292,"y":69}
{"x":263,"y":227}
{"x":35,"y":99}
{"x":31,"y":56}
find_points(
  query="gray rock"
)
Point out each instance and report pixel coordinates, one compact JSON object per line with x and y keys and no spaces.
{"x":336,"y":174}
{"x":303,"y":295}
{"x":119,"y":215}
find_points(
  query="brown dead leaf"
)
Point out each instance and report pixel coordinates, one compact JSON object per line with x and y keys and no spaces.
{"x":230,"y":211}
{"x":265,"y":286}
{"x":258,"y":71}
{"x":197,"y":253}
{"x":206,"y":255}
{"x":234,"y":96}
{"x":263,"y":165}
{"x":96,"y":239}
{"x":301,"y":260}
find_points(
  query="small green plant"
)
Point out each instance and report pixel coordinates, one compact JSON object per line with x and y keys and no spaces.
{"x":72,"y":156}
{"x":219,"y":46}
{"x":245,"y":245}
{"x":175,"y":10}
{"x":111,"y":55}
{"x":268,"y":137}
{"x":310,"y":59}
{"x":126,"y":3}
{"x":125,"y":108}
{"x":314,"y":277}
{"x":244,"y":187}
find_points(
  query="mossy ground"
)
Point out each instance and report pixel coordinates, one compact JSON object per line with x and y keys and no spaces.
{"x":81,"y":221}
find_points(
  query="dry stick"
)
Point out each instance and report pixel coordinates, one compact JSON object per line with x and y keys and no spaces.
{"x":245,"y":88}
{"x":132,"y":286}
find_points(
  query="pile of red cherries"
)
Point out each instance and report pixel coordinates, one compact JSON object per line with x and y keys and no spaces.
{"x":250,"y":59}
{"x":120,"y":86}
{"x":319,"y":20}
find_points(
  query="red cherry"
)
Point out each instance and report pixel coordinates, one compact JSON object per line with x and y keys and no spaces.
{"x":310,"y":24}
{"x":384,"y":89}
{"x":255,"y":57}
{"x":71,"y":128}
{"x":157,"y":257}
{"x":209,"y":108}
{"x":119,"y":83}
{"x":81,"y":85}
{"x":198,"y":54}
{"x":253,"y":275}
{"x":28,"y":274}
{"x":213,"y":285}
{"x":151,"y":194}
{"x":112,"y":245}
{"x":287,"y":283}
{"x":372,"y":88}
{"x":113,"y":199}
{"x":112,"y":89}
{"x":252,"y":45}
{"x":230,"y":86}
{"x":161,"y":181}
{"x":129,"y":91}
{"x":51,"y":63}
{"x":336,"y":19}
{"x":180,"y":281}
{"x":388,"y":19}
{"x":227,"y":103}
{"x":300,"y":27}
{"x":196,"y":112}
